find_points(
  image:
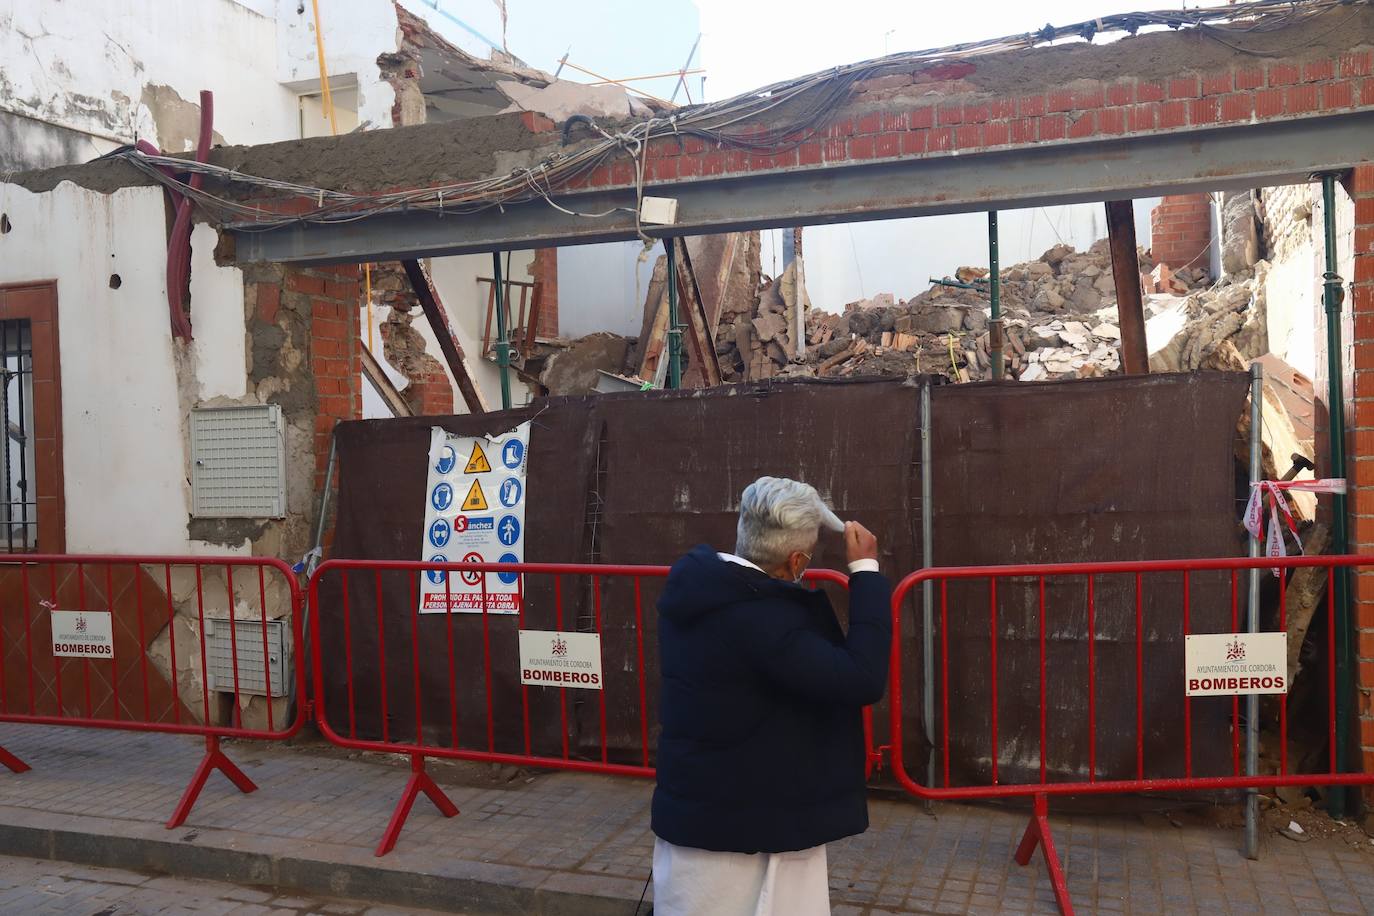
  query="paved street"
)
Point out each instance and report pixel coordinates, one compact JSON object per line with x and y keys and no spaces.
{"x":576,"y":844}
{"x":35,"y":886}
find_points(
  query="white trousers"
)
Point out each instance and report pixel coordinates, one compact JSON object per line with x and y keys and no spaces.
{"x":697,"y":882}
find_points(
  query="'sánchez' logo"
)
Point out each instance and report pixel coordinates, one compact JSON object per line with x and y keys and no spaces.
{"x":560,"y":647}
{"x":1235,"y":651}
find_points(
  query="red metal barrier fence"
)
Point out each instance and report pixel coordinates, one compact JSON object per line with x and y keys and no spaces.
{"x":93,"y":641}
{"x":1117,"y":609}
{"x":447,"y":684}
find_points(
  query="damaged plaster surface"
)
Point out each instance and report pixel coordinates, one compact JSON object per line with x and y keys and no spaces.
{"x":367,"y":160}
{"x":177,"y":120}
{"x":479,"y":147}
{"x":279,"y":372}
{"x":203,"y":602}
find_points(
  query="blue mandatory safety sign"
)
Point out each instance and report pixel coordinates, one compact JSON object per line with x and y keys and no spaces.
{"x":508,"y":578}
{"x":510,"y":491}
{"x":481,"y":523}
{"x":447,"y":459}
{"x":442,"y":497}
{"x":509,"y":530}
{"x":437,"y":576}
{"x":512,"y":453}
{"x":439,"y":532}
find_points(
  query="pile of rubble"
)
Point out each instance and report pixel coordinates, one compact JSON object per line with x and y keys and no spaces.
{"x":1059,"y":315}
{"x":1059,"y":318}
{"x":757,"y":339}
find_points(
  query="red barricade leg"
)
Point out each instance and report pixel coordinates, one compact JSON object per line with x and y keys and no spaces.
{"x":1038,"y":832}
{"x":214,"y":759}
{"x":420,"y":781}
{"x":12,"y":762}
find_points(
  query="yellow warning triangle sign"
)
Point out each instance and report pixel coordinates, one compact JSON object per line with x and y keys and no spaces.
{"x":476,"y":499}
{"x":478,"y":463}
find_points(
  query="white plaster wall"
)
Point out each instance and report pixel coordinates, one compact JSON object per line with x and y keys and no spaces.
{"x":1292,"y":296}
{"x":455,"y":279}
{"x":1293,"y":289}
{"x":853,"y":261}
{"x":217,"y":317}
{"x":123,"y":454}
{"x":83,"y":64}
{"x":602,"y":288}
{"x":355,"y":32}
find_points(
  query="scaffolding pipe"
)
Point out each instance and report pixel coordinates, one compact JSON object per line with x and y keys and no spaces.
{"x":1252,"y":610}
{"x":1335,"y":406}
{"x":674,"y":329}
{"x":995,"y":291}
{"x":927,"y":587}
{"x":502,"y":338}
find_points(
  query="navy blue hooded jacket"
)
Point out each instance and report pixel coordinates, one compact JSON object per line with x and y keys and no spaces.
{"x":762,"y":746}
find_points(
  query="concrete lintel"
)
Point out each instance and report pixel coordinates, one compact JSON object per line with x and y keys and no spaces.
{"x":1221,"y":158}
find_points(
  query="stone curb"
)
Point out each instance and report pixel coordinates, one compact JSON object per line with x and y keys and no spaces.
{"x":317,"y":869}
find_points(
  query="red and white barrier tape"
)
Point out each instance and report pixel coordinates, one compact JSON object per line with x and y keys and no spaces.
{"x":1254,"y":510}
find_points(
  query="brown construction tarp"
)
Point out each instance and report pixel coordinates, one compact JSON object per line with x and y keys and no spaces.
{"x":1102,"y":470}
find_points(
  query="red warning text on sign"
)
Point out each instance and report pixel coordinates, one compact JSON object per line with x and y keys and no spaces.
{"x":1225,"y":664}
{"x":552,"y":658}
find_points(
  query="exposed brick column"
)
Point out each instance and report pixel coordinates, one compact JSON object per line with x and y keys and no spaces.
{"x":431,"y":395}
{"x":335,"y":354}
{"x":544,"y":271}
{"x":1181,"y":231}
{"x":1361,"y":453}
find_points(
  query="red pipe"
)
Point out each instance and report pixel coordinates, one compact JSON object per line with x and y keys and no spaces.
{"x":179,"y":244}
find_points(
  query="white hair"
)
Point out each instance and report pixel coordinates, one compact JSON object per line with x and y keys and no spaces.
{"x":777,"y":517}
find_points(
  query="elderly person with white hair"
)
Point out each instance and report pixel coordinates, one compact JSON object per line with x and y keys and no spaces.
{"x":761,"y":756}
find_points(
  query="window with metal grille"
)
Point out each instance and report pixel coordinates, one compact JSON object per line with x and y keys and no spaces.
{"x":19,"y":510}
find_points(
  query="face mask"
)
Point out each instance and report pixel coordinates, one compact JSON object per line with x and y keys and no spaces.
{"x":798,"y":578}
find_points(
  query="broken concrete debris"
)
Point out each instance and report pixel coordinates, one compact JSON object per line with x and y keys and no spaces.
{"x":1059,"y":313}
{"x":759,"y":340}
{"x":1059,"y":320}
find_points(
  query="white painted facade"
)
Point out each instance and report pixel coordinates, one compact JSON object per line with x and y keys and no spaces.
{"x":1294,"y":309}
{"x":123,"y":439}
{"x":87,"y":66}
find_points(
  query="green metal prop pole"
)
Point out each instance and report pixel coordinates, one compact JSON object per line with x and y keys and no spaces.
{"x":995,"y":290}
{"x":674,"y":331}
{"x":502,"y":332}
{"x":1340,"y":542}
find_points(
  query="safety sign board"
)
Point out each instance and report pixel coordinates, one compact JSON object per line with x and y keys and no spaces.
{"x":474,"y":513}
{"x":1224,"y":664}
{"x":82,"y":634}
{"x":551,"y":658}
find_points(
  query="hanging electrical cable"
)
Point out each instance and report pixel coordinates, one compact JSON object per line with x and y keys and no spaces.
{"x":805,"y":106}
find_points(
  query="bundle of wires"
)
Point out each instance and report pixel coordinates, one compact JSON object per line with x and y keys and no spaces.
{"x":807,"y":102}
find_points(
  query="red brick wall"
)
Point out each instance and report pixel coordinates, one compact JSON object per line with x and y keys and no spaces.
{"x":1181,"y":231}
{"x":335,"y":354}
{"x":431,"y":395}
{"x":1360,"y":306}
{"x":903,"y":115}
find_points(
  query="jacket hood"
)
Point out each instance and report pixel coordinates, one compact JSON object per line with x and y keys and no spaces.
{"x":701,"y":582}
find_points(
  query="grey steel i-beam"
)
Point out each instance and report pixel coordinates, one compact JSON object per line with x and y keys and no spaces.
{"x":1219,"y":158}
